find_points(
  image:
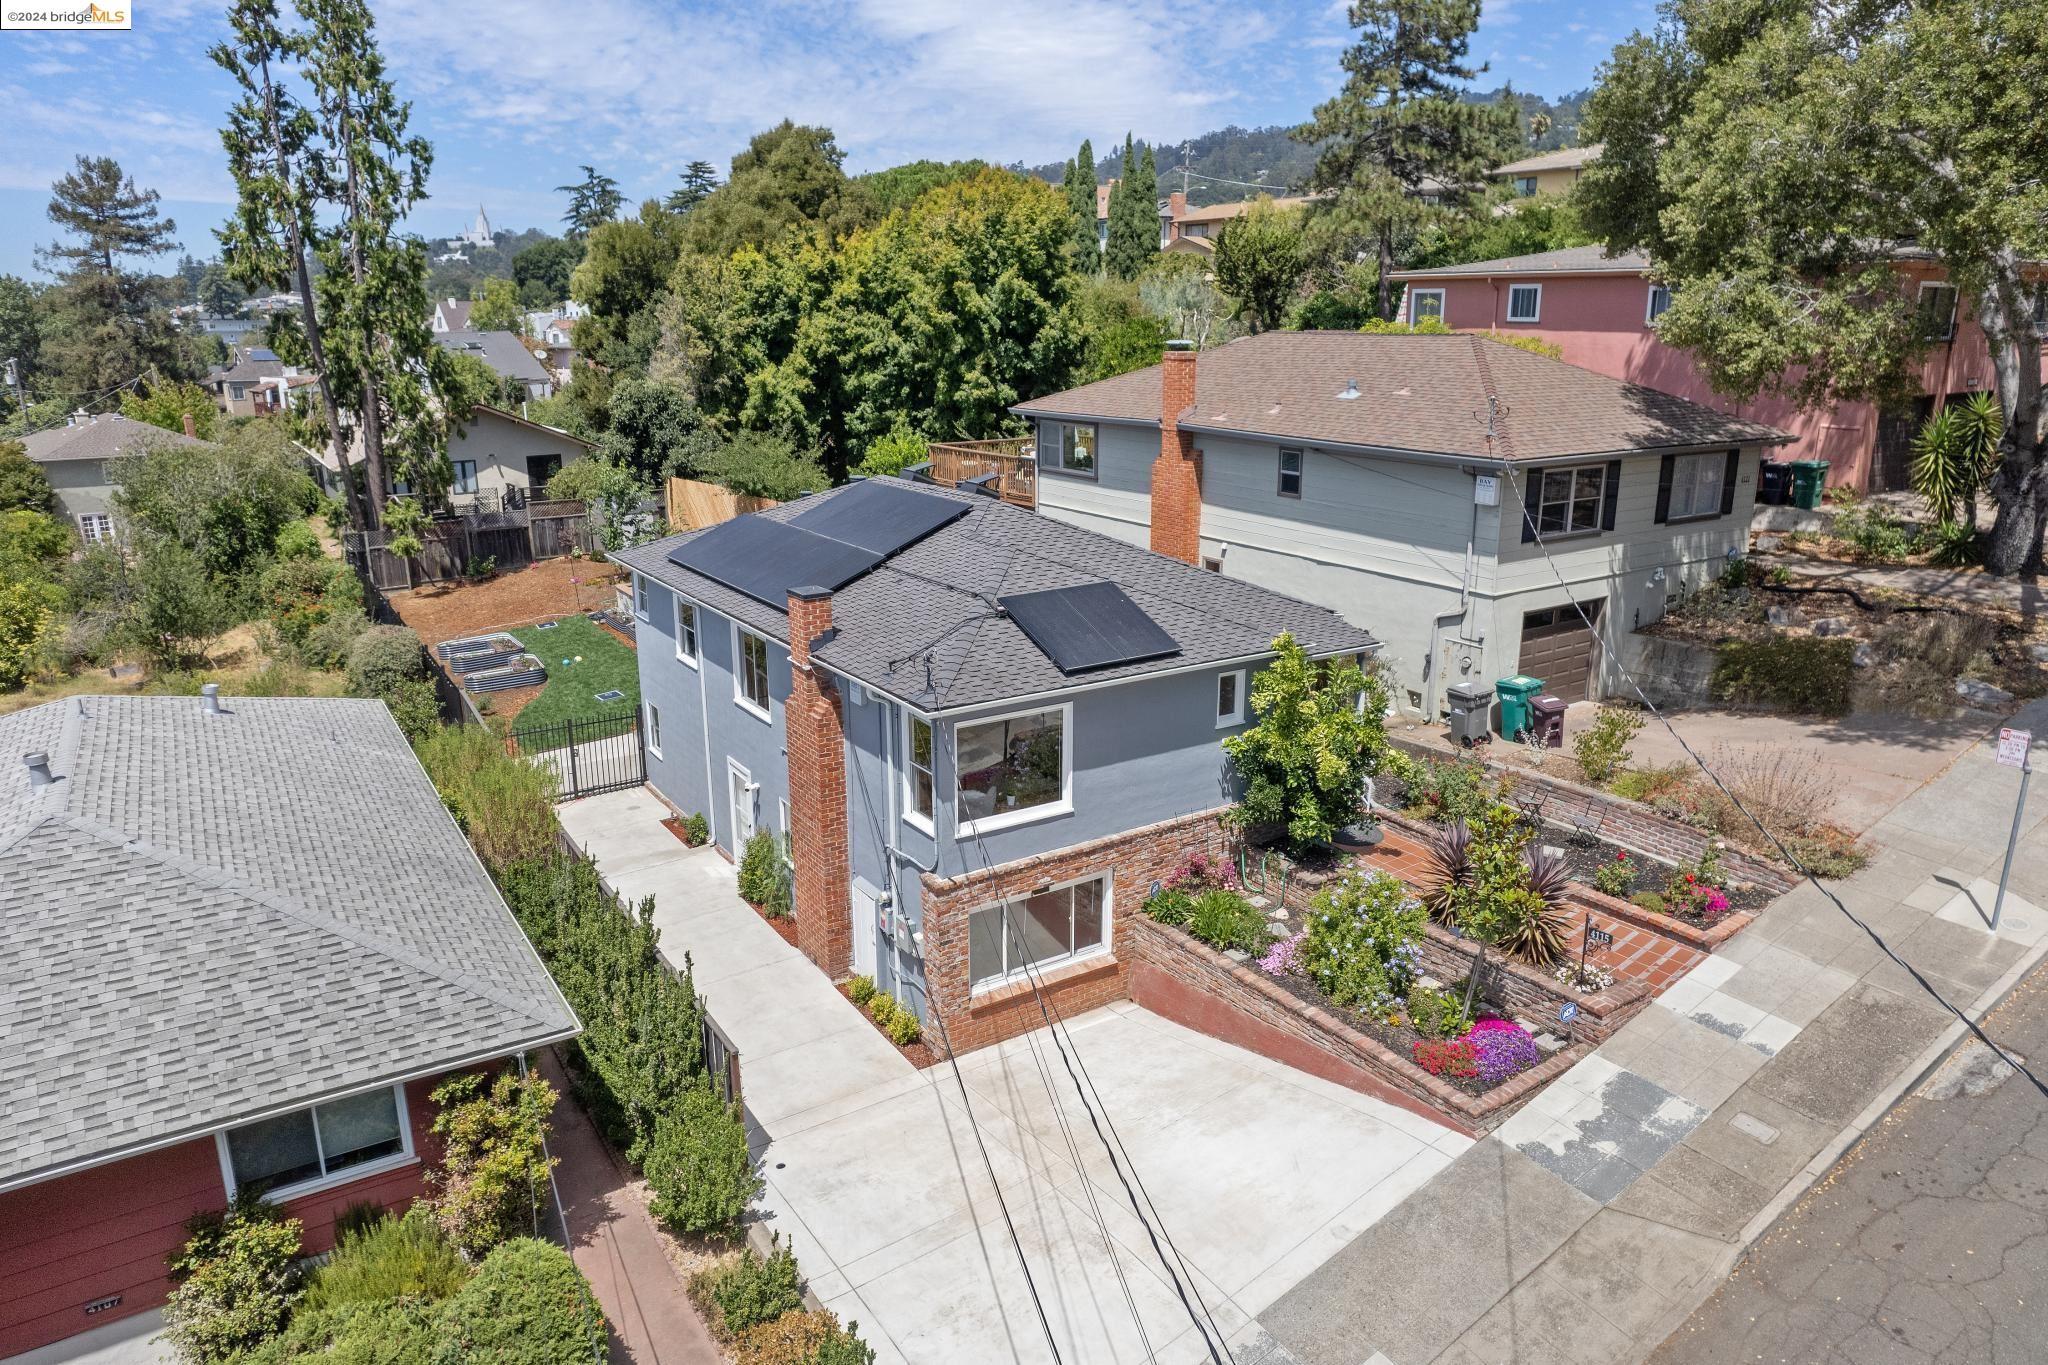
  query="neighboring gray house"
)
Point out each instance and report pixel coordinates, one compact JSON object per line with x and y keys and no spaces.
{"x":500,"y":461}
{"x":1404,"y":480}
{"x":241,"y":943}
{"x":74,"y":458}
{"x":980,"y":734}
{"x":507,"y":356}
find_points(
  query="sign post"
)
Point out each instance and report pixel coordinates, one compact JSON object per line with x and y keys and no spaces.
{"x":1594,"y":938}
{"x":2015,"y":750}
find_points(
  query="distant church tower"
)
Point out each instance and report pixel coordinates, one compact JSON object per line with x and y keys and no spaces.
{"x":479,"y":233}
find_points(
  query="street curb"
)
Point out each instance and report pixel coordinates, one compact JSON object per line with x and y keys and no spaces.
{"x":1929,"y":1060}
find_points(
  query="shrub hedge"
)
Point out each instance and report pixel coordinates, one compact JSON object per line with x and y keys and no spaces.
{"x":1798,"y":672}
{"x":743,"y":1291}
{"x":381,"y":658}
{"x":237,"y":1278}
{"x":527,"y":1304}
{"x":698,"y":1166}
{"x":393,"y":1258}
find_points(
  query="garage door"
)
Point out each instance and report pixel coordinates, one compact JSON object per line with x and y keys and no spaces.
{"x":1557,"y":646}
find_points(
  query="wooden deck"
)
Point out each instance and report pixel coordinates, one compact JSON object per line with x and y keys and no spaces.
{"x":1010,"y":459}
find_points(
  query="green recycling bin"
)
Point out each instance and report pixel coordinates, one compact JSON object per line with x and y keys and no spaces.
{"x":1808,"y":476}
{"x":1515,"y":695}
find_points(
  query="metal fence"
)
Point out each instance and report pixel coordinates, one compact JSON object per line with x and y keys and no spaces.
{"x":588,"y":757}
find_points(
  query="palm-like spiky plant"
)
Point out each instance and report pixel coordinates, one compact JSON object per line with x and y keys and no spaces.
{"x":1538,"y":925}
{"x":1955,"y":455}
{"x":1449,"y":870}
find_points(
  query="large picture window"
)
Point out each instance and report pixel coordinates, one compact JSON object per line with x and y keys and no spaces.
{"x":1012,"y":768}
{"x":1039,"y":931}
{"x":1067,"y":448}
{"x":1425,"y":305}
{"x":316,"y":1144}
{"x":1696,"y":484}
{"x":918,"y":793}
{"x":1525,"y":302}
{"x":1570,"y":502}
{"x":750,"y":672}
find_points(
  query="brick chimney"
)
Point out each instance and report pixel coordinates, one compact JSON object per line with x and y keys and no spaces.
{"x":814,"y":730}
{"x":191,"y":427}
{"x":1177,"y":473}
{"x":1176,"y":206}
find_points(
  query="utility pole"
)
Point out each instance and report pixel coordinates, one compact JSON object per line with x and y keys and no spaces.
{"x":1186,"y":150}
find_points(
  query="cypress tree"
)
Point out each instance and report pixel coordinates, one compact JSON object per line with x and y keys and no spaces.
{"x":1079,"y":185}
{"x":1133,"y":215}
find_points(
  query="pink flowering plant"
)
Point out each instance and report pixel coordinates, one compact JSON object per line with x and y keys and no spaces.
{"x":1691,"y":894}
{"x":1501,"y":1048}
{"x":1284,"y":957}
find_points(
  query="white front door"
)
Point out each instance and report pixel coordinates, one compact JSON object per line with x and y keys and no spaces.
{"x":742,"y":784}
{"x":864,"y":917}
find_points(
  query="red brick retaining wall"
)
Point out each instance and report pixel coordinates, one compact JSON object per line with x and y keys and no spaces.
{"x":1187,"y":981}
{"x":1632,"y":825}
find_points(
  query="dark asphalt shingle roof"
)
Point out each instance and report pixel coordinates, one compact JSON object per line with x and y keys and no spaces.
{"x":922,"y":626}
{"x":207,"y":917}
{"x":1420,"y":394}
{"x":102,"y":438}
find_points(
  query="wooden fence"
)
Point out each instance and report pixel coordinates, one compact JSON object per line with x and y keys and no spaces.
{"x":1011,"y":459}
{"x":693,"y":503}
{"x":449,"y":545}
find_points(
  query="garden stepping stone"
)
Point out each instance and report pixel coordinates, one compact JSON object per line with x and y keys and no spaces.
{"x":1548,"y":1042}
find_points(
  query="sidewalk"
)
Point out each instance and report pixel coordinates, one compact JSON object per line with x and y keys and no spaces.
{"x":615,"y":1245}
{"x":1592,"y":1223}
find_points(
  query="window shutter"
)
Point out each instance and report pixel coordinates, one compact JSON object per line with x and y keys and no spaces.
{"x":1664,"y":488}
{"x":1728,"y":482}
{"x":1609,"y":491}
{"x":1532,"y":499}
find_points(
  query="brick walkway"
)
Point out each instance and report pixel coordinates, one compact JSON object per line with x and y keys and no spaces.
{"x":615,"y":1244}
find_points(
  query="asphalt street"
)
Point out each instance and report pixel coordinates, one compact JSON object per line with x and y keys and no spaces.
{"x":1927,"y":1242}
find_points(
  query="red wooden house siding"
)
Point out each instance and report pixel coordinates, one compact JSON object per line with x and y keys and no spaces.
{"x":107,"y":1231}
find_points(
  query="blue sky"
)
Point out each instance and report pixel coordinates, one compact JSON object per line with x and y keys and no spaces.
{"x":516,"y":94}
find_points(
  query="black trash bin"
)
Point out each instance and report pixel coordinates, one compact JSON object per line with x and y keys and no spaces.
{"x":1774,"y":483}
{"x":1547,"y":720}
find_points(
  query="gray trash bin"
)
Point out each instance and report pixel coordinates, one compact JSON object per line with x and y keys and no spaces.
{"x":1547,"y":720}
{"x":1471,"y":705}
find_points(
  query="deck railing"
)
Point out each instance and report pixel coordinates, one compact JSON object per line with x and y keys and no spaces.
{"x":1011,"y":459}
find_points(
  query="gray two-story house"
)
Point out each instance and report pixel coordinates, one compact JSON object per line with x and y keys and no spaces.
{"x":1488,"y":510}
{"x":979,"y":733}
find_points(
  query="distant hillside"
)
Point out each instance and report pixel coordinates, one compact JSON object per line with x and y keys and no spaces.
{"x":1269,"y":157}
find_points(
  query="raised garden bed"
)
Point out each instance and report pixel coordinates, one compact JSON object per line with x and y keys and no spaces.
{"x":523,"y":670}
{"x":477,"y":653}
{"x":919,"y":1054}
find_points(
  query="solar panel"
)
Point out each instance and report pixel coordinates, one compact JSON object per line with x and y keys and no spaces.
{"x":1091,"y":625}
{"x":765,"y":559}
{"x":882,"y":515}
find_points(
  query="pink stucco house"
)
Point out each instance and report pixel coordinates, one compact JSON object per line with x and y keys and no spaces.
{"x":1603,"y":309}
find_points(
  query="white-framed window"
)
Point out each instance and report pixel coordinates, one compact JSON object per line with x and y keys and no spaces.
{"x":1659,"y":303}
{"x":1570,"y":500}
{"x":1696,"y":484}
{"x":787,"y":840}
{"x":1290,"y":472}
{"x":1425,"y":305}
{"x":1012,"y":769}
{"x":324,"y":1144}
{"x":919,"y":790}
{"x":643,"y":596}
{"x":1230,"y":698}
{"x":96,"y":528}
{"x":1067,"y":448}
{"x":686,"y":631}
{"x":654,"y":729}
{"x":1525,"y":185}
{"x":465,"y":477}
{"x":750,"y":672}
{"x":1938,"y":308}
{"x":238,"y":392}
{"x":1061,"y":924}
{"x":1525,"y":302}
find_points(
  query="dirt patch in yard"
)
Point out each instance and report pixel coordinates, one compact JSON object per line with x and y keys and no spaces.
{"x":554,"y":587}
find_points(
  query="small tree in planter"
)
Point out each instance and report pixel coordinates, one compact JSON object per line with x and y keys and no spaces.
{"x":1493,"y":890}
{"x":1319,"y":734}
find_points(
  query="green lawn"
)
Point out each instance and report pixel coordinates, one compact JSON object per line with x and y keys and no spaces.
{"x":606,"y":662}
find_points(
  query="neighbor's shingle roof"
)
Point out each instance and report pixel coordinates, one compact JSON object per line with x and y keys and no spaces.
{"x":1570,"y":260}
{"x":921,"y":626}
{"x":1563,"y":159}
{"x":1416,"y":394}
{"x":210,"y":917}
{"x":246,"y":371}
{"x":504,"y":352}
{"x":102,"y":438}
{"x":455,"y":312}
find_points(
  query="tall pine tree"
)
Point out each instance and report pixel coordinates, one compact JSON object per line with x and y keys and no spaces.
{"x":1133,"y":215}
{"x":1402,"y":120}
{"x":1079,"y":185}
{"x":105,"y":323}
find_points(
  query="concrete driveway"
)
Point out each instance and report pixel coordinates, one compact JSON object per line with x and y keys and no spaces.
{"x":879,"y":1175}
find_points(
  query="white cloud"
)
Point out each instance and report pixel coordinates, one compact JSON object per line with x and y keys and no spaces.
{"x":1575,"y":28}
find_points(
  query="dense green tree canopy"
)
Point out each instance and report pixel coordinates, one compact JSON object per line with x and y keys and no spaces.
{"x":699,"y":179}
{"x":899,"y":186}
{"x":593,"y":200}
{"x":1260,"y":261}
{"x":788,"y":177}
{"x":1783,"y":161}
{"x":542,"y":271}
{"x":625,"y":266}
{"x":1133,"y":215}
{"x":1402,"y":121}
{"x":1079,"y":185}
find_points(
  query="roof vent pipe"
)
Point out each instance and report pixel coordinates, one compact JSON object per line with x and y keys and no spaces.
{"x":38,"y":770}
{"x":209,"y":699}
{"x":1350,"y":391}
